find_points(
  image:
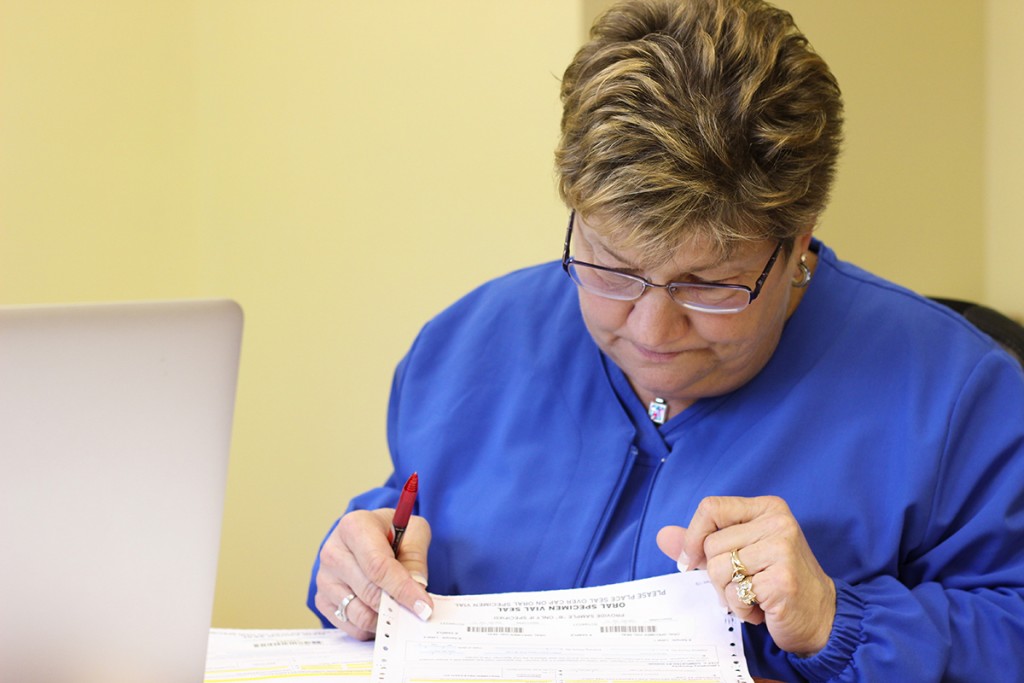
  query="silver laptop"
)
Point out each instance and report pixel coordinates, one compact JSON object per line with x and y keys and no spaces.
{"x":115,"y":422}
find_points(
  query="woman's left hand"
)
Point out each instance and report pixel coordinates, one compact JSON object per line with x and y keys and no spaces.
{"x":794,"y":597}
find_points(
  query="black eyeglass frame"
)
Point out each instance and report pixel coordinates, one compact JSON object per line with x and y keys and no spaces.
{"x":670,"y":287}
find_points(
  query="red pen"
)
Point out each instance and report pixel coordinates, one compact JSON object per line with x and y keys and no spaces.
{"x":404,"y":510}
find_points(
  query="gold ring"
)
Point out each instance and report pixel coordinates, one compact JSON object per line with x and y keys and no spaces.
{"x":745,"y":592}
{"x":739,"y":570}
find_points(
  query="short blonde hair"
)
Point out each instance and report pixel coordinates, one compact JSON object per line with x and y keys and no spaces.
{"x":709,"y":118}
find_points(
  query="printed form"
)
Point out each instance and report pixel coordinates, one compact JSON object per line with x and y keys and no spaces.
{"x":286,"y":656}
{"x":663,"y":629}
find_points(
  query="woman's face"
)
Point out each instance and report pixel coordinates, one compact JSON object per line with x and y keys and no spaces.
{"x":681,"y":355}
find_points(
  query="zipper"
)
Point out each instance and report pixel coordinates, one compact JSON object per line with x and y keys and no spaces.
{"x":643,"y":519}
{"x":606,"y":517}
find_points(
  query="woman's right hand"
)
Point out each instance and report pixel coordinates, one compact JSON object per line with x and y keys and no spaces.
{"x":357,"y":560}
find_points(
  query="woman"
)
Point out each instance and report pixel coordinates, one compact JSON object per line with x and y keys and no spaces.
{"x":847,"y":457}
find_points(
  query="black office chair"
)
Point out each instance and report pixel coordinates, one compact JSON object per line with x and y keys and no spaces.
{"x":1004,"y":330}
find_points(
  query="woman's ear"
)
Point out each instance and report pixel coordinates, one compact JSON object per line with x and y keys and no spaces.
{"x":803,"y":240}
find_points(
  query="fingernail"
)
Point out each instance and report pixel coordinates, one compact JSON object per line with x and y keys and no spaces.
{"x":422,"y":610}
{"x":419,"y":578}
{"x":683,"y":562}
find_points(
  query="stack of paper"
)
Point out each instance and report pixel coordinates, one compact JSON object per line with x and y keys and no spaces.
{"x":309,"y":655}
{"x":664,"y":629}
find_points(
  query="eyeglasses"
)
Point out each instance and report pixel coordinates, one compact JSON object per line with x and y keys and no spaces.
{"x":706,"y":298}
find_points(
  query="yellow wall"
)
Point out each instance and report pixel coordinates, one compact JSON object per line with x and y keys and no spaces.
{"x":97,"y":136}
{"x":909,"y":203}
{"x":361,"y":165}
{"x":1004,"y":146}
{"x":345,"y":169}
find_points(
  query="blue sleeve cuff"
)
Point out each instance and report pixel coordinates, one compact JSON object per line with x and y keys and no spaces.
{"x":311,"y":590}
{"x":847,"y":635}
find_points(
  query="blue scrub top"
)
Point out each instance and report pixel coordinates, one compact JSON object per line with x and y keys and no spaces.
{"x":892,"y":428}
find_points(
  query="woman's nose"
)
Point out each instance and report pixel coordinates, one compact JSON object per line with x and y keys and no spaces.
{"x":657,"y":320}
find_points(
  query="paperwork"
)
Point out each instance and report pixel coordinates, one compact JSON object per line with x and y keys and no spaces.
{"x":306,"y":655}
{"x":667,"y":628}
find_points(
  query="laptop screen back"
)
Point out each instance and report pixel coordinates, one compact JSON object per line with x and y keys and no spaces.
{"x":115,"y":423}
